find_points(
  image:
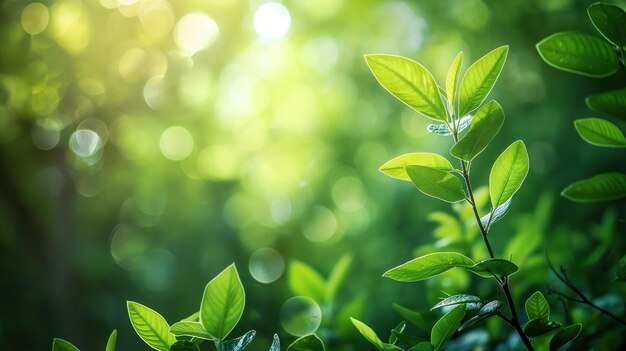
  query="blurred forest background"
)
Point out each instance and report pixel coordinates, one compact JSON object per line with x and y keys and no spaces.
{"x":147,"y":144}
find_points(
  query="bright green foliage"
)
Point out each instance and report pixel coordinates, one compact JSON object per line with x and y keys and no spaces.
{"x":610,"y":21}
{"x":222,"y":303}
{"x":184,"y":345}
{"x":601,"y":187}
{"x":188,"y":328}
{"x":480,"y":78}
{"x":508,"y":173}
{"x":565,"y":335}
{"x":438,"y":184}
{"x":111,"y":342}
{"x":150,"y":326}
{"x":452,"y":79}
{"x":428,"y":266}
{"x":488,"y":310}
{"x":62,"y":345}
{"x":307,"y":343}
{"x":494,"y":267}
{"x":410,"y":82}
{"x":600,"y":132}
{"x":537,"y":307}
{"x":368,"y":333}
{"x":610,"y":102}
{"x":446,"y":327}
{"x":579,"y":53}
{"x":240,"y":343}
{"x":483,"y":128}
{"x":395,"y":167}
{"x":471,"y":302}
{"x":536,"y":327}
{"x":305,"y":281}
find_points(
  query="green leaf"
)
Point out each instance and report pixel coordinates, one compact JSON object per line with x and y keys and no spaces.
{"x":446,"y":327}
{"x":537,"y":307}
{"x":452,"y":79}
{"x":436,"y":183}
{"x":565,"y":335}
{"x":368,"y":333}
{"x":417,"y":318}
{"x":496,"y":214}
{"x":601,"y":187}
{"x":579,"y":53}
{"x":393,"y":337}
{"x":620,"y":274}
{"x":611,"y":102}
{"x":488,"y":310}
{"x":62,"y":345}
{"x":305,"y":281}
{"x":536,"y":327}
{"x":600,"y":132}
{"x":184,"y":345}
{"x":338,"y":275}
{"x":188,"y":328}
{"x":480,"y":78}
{"x":409,"y":82}
{"x":240,"y":343}
{"x":484,"y":127}
{"x":275,"y":344}
{"x":472,"y":302}
{"x":222,"y":303}
{"x":307,"y":343}
{"x":428,"y":266}
{"x":610,"y":21}
{"x":112,"y":340}
{"x":494,"y":266}
{"x":395,"y":167}
{"x":508,"y":173}
{"x":194,"y":317}
{"x":150,"y":326}
{"x":423,"y":346}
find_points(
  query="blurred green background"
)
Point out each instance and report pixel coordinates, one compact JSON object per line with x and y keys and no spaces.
{"x":147,"y":144}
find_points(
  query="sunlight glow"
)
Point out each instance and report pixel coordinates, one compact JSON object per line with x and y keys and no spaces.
{"x":176,"y":143}
{"x":272,"y":20}
{"x":195,"y":32}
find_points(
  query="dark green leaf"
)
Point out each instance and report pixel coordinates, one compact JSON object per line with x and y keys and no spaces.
{"x":495,"y":215}
{"x":409,"y":82}
{"x":306,"y":281}
{"x":417,"y":318}
{"x":222,"y":303}
{"x":112,"y":340}
{"x":473,"y":302}
{"x":536,"y":327}
{"x":579,"y":53}
{"x":423,"y":346}
{"x":494,"y":266}
{"x":397,"y":330}
{"x":610,"y":102}
{"x":428,"y":266}
{"x":184,"y":345}
{"x":610,"y":21}
{"x":405,"y":338}
{"x":368,"y":333}
{"x":488,"y":310}
{"x":275,"y":344}
{"x":446,"y":327}
{"x":565,"y":335}
{"x":452,"y":79}
{"x":436,"y":183}
{"x":484,"y":127}
{"x":240,"y":343}
{"x":508,"y":173}
{"x":601,"y":187}
{"x":150,"y":326}
{"x":395,"y":167}
{"x":480,"y":78}
{"x":62,"y":345}
{"x":188,"y":328}
{"x":537,"y":307}
{"x":600,"y":132}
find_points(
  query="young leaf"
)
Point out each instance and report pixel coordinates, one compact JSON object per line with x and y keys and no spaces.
{"x":565,"y":335}
{"x":611,"y":102}
{"x":305,"y":281}
{"x":275,"y":344}
{"x":537,"y":307}
{"x":579,"y":53}
{"x":393,"y":337}
{"x":309,"y":342}
{"x":442,"y":128}
{"x":184,"y":345}
{"x":484,"y":127}
{"x":472,"y":302}
{"x":480,"y":78}
{"x":222,"y":303}
{"x":188,"y":328}
{"x":338,"y":275}
{"x":600,"y":132}
{"x":423,"y":346}
{"x":62,"y":345}
{"x":395,"y":167}
{"x":409,"y":82}
{"x":428,"y":266}
{"x":368,"y":333}
{"x":150,"y":326}
{"x":494,"y":266}
{"x":536,"y":327}
{"x":194,"y":317}
{"x":495,"y":215}
{"x":446,"y":327}
{"x":508,"y":173}
{"x":112,"y":340}
{"x":601,"y":187}
{"x":240,"y":343}
{"x":610,"y":21}
{"x":438,"y":184}
{"x":487,"y":310}
{"x":452,"y":79}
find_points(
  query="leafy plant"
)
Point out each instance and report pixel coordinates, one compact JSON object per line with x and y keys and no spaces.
{"x":596,"y":57}
{"x":434,"y":175}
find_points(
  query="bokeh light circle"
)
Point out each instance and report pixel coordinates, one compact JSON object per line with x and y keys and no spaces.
{"x":300,"y":316}
{"x":272,"y":20}
{"x":85,"y":142}
{"x":319,"y":225}
{"x":35,"y":18}
{"x":176,"y":143}
{"x":195,"y":31}
{"x":266,"y":265}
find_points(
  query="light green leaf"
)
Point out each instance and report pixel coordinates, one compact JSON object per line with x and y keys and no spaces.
{"x":611,"y":102}
{"x":446,"y":327}
{"x":508,"y":173}
{"x":600,"y":132}
{"x":222,"y":303}
{"x":565,"y":335}
{"x":484,"y":127}
{"x":409,"y":82}
{"x":472,"y":302}
{"x":480,"y":78}
{"x":189,"y":328}
{"x":305,"y":281}
{"x":62,"y":345}
{"x":537,"y":307}
{"x":428,"y":266}
{"x":194,"y":317}
{"x":275,"y":344}
{"x":338,"y":275}
{"x":184,"y":345}
{"x":601,"y":187}
{"x":610,"y":21}
{"x":494,"y":266}
{"x":536,"y":327}
{"x":151,"y":327}
{"x":488,"y":310}
{"x":240,"y":343}
{"x":452,"y":79}
{"x":395,"y":167}
{"x":112,"y":340}
{"x":307,"y":343}
{"x":579,"y":53}
{"x":495,"y":215}
{"x":423,"y":346}
{"x":368,"y":333}
{"x":436,"y":183}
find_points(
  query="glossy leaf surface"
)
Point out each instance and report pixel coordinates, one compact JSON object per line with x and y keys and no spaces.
{"x":428,"y":266}
{"x":484,"y":127}
{"x":610,"y":102}
{"x":188,"y":328}
{"x":600,"y":132}
{"x":508,"y":173}
{"x":537,"y":307}
{"x":150,"y":326}
{"x":601,"y":187}
{"x":222,"y":303}
{"x":446,"y":327}
{"x":395,"y":168}
{"x":480,"y":78}
{"x":436,"y":183}
{"x":452,"y":78}
{"x":610,"y":21}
